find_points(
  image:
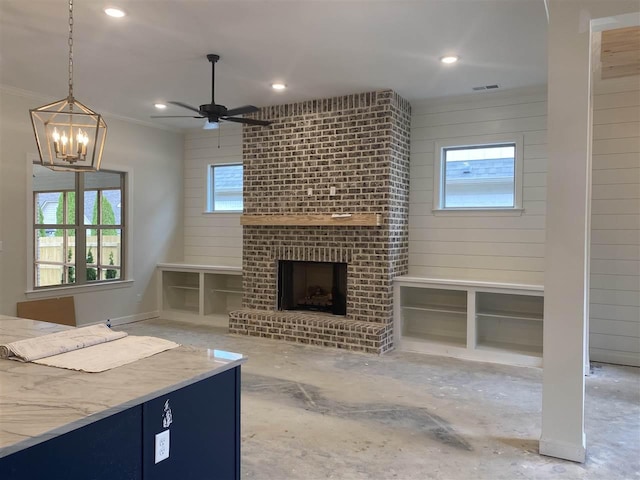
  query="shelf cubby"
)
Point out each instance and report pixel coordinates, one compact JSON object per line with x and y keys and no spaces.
{"x":222,"y":293}
{"x":509,"y":322}
{"x":180,"y":291}
{"x":435,"y":315}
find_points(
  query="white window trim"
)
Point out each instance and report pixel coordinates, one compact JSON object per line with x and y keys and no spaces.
{"x":479,"y":140}
{"x":56,"y":290}
{"x":208,"y":188}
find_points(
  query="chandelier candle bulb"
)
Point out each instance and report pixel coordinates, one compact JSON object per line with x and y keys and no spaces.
{"x":56,"y":139}
{"x":64,"y":144}
{"x":82,"y":140}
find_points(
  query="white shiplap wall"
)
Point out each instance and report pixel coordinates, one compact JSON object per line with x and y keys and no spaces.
{"x":479,"y":246}
{"x":210,"y":238}
{"x":614,"y":323}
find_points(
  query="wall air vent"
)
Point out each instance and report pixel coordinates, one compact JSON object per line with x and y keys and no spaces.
{"x":486,"y":87}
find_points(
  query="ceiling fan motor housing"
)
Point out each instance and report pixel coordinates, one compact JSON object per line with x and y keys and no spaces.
{"x":213,"y":111}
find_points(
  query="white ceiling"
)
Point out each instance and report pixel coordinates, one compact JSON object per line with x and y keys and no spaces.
{"x":320,"y":48}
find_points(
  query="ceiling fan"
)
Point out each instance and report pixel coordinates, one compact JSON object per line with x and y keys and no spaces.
{"x":213,"y":112}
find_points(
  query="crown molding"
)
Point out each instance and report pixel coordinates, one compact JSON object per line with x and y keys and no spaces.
{"x":19,"y":92}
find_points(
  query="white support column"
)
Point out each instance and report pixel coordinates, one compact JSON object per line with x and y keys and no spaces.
{"x":567,"y":223}
{"x":566,"y":256}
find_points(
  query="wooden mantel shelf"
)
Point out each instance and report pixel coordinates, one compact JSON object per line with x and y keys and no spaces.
{"x":348,"y":219}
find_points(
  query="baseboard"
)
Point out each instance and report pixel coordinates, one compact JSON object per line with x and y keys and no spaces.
{"x":564,"y":450}
{"x":138,"y":317}
{"x":617,"y":358}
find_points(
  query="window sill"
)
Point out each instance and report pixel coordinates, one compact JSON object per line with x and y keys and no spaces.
{"x":488,"y":212}
{"x":71,"y":289}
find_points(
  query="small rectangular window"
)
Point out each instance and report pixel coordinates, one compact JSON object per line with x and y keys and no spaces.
{"x":478,"y":176}
{"x":225,"y":188}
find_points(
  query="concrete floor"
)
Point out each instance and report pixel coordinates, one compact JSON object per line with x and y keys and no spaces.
{"x":313,"y":413}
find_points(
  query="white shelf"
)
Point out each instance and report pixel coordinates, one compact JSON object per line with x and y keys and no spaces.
{"x":189,"y":267}
{"x":436,"y":308}
{"x":223,"y":290}
{"x":447,"y":283}
{"x":184,"y":287}
{"x":516,"y":348}
{"x":511,"y":315}
{"x":436,"y":339}
{"x":182,"y":309}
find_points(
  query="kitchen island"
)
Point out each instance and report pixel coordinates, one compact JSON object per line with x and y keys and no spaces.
{"x":57,"y":423}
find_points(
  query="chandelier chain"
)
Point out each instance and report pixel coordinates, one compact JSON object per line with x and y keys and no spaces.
{"x":70,"y":136}
{"x":70,"y":48}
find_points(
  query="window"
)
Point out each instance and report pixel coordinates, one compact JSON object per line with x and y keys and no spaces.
{"x":72,"y":236}
{"x":483,"y":175}
{"x":225,"y":188}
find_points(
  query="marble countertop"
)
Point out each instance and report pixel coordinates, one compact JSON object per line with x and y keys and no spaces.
{"x":38,"y":403}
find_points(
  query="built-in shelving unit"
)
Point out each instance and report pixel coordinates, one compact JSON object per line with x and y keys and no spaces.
{"x":486,"y":321}
{"x":202,"y":293}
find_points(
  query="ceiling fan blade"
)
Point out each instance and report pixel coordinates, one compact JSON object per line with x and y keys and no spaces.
{"x":184,"y":105}
{"x":173,"y":116}
{"x":247,"y":121}
{"x":242,"y":110}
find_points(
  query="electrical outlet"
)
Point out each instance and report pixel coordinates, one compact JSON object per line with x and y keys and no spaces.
{"x":162,"y":446}
{"x":332,"y":191}
{"x":309,"y":192}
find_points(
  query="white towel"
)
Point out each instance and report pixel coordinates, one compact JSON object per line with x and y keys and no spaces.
{"x":106,"y":356}
{"x":35,"y":348}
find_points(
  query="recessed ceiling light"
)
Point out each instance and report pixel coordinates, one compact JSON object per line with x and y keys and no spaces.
{"x":449,"y":59}
{"x":160,"y":106}
{"x":114,"y":12}
{"x":278,"y":86}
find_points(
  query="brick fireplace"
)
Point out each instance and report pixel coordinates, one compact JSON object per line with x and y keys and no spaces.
{"x":327,"y":159}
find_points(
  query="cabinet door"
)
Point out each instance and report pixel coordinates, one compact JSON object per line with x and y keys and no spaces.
{"x":204,"y":430}
{"x":108,"y":449}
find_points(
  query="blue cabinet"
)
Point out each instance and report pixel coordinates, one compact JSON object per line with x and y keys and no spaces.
{"x":204,"y":440}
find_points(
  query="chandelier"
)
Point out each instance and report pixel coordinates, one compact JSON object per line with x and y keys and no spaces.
{"x":69,"y":135}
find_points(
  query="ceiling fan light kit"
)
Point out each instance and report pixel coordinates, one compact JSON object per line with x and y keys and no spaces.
{"x":213,"y":112}
{"x":69,"y":135}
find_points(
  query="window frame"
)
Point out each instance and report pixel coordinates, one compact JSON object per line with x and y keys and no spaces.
{"x":477,"y":142}
{"x":210,"y":203}
{"x":80,"y":243}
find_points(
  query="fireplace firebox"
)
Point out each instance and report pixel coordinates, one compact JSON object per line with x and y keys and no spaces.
{"x":314,"y":286}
